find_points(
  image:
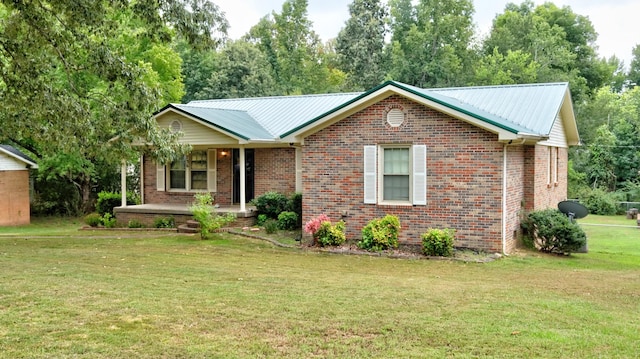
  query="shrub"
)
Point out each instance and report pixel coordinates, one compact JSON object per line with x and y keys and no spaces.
{"x":272,"y":204}
{"x":261,"y":219}
{"x":93,"y":219}
{"x":271,"y":226}
{"x":551,"y":231}
{"x":599,"y":201}
{"x":108,"y":220}
{"x":164,"y":222}
{"x":287,"y":220}
{"x":380,"y":234}
{"x":313,"y":225}
{"x":438,"y":242}
{"x":107,"y":200}
{"x":330,"y":235}
{"x":134,"y":223}
{"x":204,"y":212}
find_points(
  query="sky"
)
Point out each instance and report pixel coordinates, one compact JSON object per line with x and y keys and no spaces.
{"x":614,"y":20}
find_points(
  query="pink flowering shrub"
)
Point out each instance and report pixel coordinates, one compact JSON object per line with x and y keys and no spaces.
{"x":314,"y":224}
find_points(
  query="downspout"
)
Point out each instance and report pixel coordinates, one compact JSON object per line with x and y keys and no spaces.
{"x":504,"y":198}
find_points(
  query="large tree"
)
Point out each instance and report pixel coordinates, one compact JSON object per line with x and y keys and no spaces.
{"x":80,"y":78}
{"x":294,"y":51}
{"x":559,"y":40}
{"x":431,"y":44}
{"x":360,"y":44}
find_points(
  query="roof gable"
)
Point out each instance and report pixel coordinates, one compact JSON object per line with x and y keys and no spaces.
{"x":14,"y":153}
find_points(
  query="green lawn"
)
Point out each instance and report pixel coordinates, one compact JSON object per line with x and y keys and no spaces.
{"x":114,"y":294}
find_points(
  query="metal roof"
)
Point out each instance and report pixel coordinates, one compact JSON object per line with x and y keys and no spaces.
{"x":531,"y":108}
{"x":520,"y":109}
{"x":282,"y":113}
{"x":236,"y":122}
{"x":15,"y":153}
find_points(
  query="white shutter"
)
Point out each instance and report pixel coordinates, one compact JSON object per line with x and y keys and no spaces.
{"x":212,"y":161}
{"x":420,"y":175}
{"x":160,"y":177}
{"x":370,"y":164}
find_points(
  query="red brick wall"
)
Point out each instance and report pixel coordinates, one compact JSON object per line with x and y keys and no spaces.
{"x":540,"y":193}
{"x":14,"y":198}
{"x":516,"y":173}
{"x":274,"y":171}
{"x":464,"y":174}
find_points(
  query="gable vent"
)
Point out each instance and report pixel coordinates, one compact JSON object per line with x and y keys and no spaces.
{"x":176,"y":126}
{"x":395,"y":117}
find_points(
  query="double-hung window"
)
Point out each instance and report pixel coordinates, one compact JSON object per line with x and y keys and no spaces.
{"x":193,"y":172}
{"x":395,"y":174}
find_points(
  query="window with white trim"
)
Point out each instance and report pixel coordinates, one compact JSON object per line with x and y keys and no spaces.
{"x":552,"y":165}
{"x":395,"y":174}
{"x":194,"y":172}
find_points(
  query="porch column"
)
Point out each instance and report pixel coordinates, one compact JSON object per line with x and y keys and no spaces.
{"x":123,"y":182}
{"x":243,"y":181}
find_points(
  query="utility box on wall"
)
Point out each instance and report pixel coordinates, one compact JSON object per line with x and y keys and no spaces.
{"x":14,"y":186}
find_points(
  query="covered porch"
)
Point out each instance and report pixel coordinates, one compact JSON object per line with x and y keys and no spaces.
{"x":147,"y":214}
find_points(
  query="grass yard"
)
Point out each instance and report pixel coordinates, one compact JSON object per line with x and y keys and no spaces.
{"x":118,"y":294}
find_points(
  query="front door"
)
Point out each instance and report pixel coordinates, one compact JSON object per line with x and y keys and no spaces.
{"x":249,"y":183}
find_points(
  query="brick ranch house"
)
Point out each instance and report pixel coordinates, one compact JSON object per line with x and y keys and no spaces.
{"x":472,"y":158}
{"x":14,"y":186}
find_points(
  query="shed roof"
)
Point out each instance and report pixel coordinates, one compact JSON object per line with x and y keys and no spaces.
{"x":16,"y":154}
{"x":529,"y":110}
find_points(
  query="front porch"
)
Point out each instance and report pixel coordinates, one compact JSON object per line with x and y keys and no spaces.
{"x":147,"y":214}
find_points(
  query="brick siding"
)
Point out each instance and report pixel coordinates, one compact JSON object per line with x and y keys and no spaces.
{"x":14,"y":198}
{"x":464,"y":174}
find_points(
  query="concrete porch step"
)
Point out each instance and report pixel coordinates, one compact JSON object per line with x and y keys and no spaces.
{"x":193,"y":223}
{"x":187,"y":228}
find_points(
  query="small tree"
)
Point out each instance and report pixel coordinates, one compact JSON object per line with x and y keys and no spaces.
{"x":204,"y":212}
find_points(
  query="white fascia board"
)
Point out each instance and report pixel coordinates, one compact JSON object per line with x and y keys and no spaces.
{"x":19,"y":158}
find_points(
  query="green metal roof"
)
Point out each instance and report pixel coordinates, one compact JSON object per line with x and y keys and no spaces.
{"x":519,"y":109}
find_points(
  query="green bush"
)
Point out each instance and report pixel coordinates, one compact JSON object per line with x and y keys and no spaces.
{"x":380,"y":234}
{"x":287,"y":220}
{"x":93,"y":219}
{"x":271,"y":226}
{"x":261,"y":219}
{"x":107,"y":200}
{"x":599,"y":201}
{"x":330,"y":235}
{"x":204,"y":212}
{"x":134,"y":223}
{"x":108,"y":220}
{"x":271,"y":204}
{"x":438,"y":242}
{"x":164,"y":222}
{"x":551,"y":231}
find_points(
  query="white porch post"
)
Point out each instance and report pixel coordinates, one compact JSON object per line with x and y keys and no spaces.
{"x":243,"y":181}
{"x":123,"y":182}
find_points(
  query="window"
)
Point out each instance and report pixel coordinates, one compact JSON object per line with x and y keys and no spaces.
{"x":552,"y":166}
{"x":194,"y":172}
{"x":395,"y":174}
